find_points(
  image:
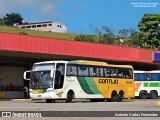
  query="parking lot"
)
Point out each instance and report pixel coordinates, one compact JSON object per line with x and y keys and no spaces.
{"x":132,"y":105}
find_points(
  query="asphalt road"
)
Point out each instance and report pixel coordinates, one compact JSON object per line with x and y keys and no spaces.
{"x":97,"y":109}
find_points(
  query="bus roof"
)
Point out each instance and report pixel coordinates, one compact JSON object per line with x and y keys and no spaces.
{"x":85,"y":62}
{"x":153,"y":71}
{"x":49,"y":62}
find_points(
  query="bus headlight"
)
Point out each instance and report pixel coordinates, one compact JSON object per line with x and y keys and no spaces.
{"x":50,"y":90}
{"x":30,"y":91}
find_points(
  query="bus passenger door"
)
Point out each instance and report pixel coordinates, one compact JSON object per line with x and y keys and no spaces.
{"x":59,"y":76}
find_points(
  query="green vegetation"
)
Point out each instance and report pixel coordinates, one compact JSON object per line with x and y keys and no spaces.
{"x":2,"y":21}
{"x":11,"y":18}
{"x":149,"y":27}
{"x":10,"y":29}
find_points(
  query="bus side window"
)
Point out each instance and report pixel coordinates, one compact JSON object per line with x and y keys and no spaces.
{"x":83,"y":70}
{"x":97,"y":71}
{"x":158,"y":77}
{"x":101,"y":72}
{"x":106,"y":72}
{"x":74,"y":70}
{"x":141,"y":77}
{"x":69,"y":72}
{"x":127,"y":73}
{"x":155,"y":77}
{"x":147,"y":77}
{"x":136,"y":77}
{"x":90,"y":71}
{"x":94,"y":72}
{"x":120,"y":73}
{"x":113,"y":72}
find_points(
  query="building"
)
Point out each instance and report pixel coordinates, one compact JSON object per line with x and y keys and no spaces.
{"x":45,"y":26}
{"x":19,"y":52}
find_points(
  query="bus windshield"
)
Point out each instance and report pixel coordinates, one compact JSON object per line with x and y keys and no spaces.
{"x":41,"y":79}
{"x":48,"y":66}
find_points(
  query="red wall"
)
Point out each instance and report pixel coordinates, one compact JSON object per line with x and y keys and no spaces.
{"x":25,"y":43}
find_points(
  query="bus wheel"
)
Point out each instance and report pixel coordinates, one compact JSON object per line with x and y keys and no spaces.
{"x":143,"y":94}
{"x":153,"y":94}
{"x":70,"y":95}
{"x":120,"y":97}
{"x":113,"y":97}
{"x":49,"y":100}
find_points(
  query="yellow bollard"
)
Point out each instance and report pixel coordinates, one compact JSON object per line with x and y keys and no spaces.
{"x":158,"y":103}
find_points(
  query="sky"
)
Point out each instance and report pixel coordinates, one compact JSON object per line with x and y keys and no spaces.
{"x":83,"y":16}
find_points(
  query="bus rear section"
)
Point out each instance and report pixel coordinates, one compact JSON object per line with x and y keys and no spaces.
{"x":147,"y":84}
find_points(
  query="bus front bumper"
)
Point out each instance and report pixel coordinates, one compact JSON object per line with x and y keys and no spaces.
{"x":42,"y":96}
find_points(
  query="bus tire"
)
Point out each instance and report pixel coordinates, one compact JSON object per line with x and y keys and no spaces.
{"x":49,"y":100}
{"x":70,"y":95}
{"x":120,"y":97}
{"x":153,"y":94}
{"x":143,"y":95}
{"x":113,"y":97}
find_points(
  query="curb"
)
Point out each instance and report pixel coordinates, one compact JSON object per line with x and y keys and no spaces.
{"x":15,"y":100}
{"x":21,"y":100}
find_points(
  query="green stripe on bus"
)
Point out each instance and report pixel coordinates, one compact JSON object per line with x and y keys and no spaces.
{"x":92,"y":85}
{"x":151,"y":84}
{"x":84,"y":85}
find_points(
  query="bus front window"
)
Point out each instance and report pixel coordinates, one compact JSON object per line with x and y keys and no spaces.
{"x":40,"y":80}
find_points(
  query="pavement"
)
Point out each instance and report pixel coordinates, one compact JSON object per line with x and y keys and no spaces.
{"x":4,"y":99}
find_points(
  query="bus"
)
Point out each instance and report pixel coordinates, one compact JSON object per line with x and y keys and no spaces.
{"x":147,"y":84}
{"x":68,"y":80}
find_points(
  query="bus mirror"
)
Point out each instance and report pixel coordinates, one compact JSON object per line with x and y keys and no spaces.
{"x":27,"y":75}
{"x":52,"y":73}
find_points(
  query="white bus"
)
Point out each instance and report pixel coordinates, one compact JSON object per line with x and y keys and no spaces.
{"x":97,"y":81}
{"x":147,"y":84}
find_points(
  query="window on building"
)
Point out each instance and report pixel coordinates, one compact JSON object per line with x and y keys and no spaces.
{"x":28,"y":26}
{"x":39,"y":25}
{"x":49,"y":24}
{"x":33,"y":26}
{"x":44,"y":25}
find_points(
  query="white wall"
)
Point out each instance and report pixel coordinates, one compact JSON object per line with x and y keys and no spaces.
{"x":59,"y":27}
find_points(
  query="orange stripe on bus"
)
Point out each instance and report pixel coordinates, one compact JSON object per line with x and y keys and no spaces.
{"x":137,"y":85}
{"x":147,"y":71}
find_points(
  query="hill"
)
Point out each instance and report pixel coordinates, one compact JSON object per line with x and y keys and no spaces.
{"x":9,"y":29}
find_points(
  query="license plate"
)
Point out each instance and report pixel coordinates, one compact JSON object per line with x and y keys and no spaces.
{"x":39,"y":96}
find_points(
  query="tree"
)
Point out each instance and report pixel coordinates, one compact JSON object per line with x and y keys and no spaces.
{"x":2,"y":21}
{"x":135,"y":39}
{"x":149,"y":27}
{"x":11,"y":18}
{"x":108,"y":37}
{"x":126,"y":33}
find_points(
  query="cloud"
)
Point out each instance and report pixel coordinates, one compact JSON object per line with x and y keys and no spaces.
{"x":43,"y":8}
